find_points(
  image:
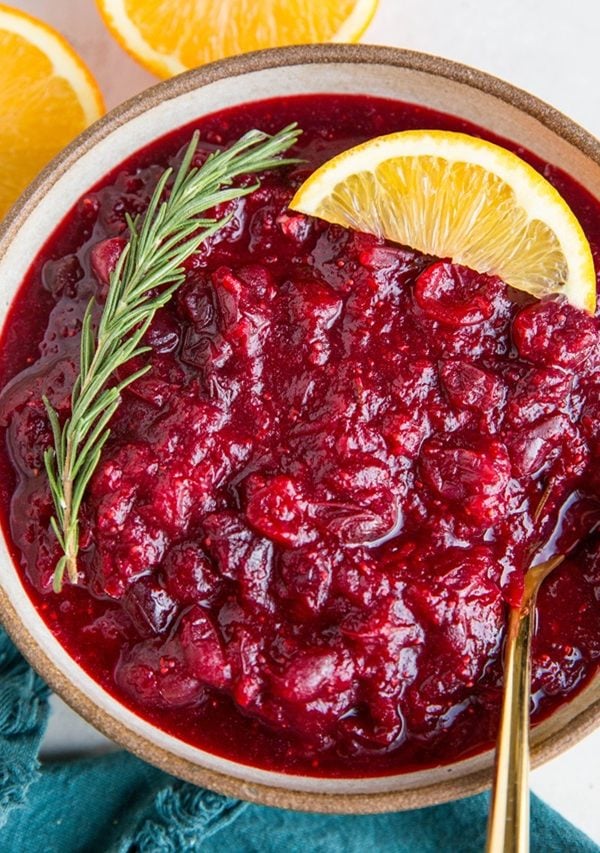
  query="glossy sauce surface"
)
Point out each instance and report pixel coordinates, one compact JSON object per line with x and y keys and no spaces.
{"x":298,"y":548}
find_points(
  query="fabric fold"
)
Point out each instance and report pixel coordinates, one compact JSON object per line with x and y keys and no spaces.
{"x":182,"y":818}
{"x":23,"y":719}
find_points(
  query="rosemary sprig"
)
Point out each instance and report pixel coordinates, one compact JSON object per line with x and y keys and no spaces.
{"x":148,"y":272}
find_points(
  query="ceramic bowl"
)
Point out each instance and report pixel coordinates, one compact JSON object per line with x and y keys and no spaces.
{"x":377,"y":71}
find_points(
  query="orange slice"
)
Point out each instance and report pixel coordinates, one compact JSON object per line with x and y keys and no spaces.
{"x":47,"y":97}
{"x":457,"y":196}
{"x":170,"y":36}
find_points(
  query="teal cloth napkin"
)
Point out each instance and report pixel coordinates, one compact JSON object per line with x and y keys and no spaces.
{"x":118,"y":804}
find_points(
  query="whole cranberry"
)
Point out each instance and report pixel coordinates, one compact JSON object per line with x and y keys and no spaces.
{"x":472,"y":479}
{"x":315,"y":674}
{"x":203,"y":648}
{"x":190,"y":575}
{"x":276,"y":508}
{"x":104,"y":256}
{"x":471,"y":387}
{"x":553,"y":332}
{"x":149,"y":606}
{"x":304,"y":578}
{"x":541,"y":391}
{"x":156,"y":674}
{"x":454,"y":295}
{"x":533,"y":448}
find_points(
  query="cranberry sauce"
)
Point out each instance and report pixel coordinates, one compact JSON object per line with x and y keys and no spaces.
{"x":300,"y":543}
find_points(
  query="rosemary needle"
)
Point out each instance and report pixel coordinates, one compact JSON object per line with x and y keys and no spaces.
{"x":148,"y":272}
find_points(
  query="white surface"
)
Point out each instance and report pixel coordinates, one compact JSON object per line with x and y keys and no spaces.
{"x":549,"y":48}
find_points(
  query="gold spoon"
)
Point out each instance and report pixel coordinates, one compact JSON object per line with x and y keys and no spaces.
{"x":508,"y":825}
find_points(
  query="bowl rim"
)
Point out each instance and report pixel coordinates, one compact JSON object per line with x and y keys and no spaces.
{"x":345,"y":803}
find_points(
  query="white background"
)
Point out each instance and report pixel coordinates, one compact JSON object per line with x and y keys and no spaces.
{"x":551,"y":48}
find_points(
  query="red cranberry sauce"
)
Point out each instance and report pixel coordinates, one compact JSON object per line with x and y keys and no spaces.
{"x":299,"y":545}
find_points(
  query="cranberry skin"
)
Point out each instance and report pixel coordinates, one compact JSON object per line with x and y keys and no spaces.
{"x":151,"y":389}
{"x":21,"y":404}
{"x":462,"y":605}
{"x":416,"y":381}
{"x":237,"y":294}
{"x":149,"y":606}
{"x":470,"y":387}
{"x":60,"y":277}
{"x":120,"y":560}
{"x":157,"y":675}
{"x":378,"y":258}
{"x":129,"y":545}
{"x":203,"y":649}
{"x":104,"y":256}
{"x":276,"y":508}
{"x":453,"y":295}
{"x":387,"y":640}
{"x":44,"y":552}
{"x":553,"y":333}
{"x":366,"y":509}
{"x":128,"y":467}
{"x":559,"y":662}
{"x":242,"y":556}
{"x":405,"y":433}
{"x":358,"y":580}
{"x":473,"y":480}
{"x":29,"y":435}
{"x":246,"y":650}
{"x":534,"y":448}
{"x":194,"y":300}
{"x":304,"y":579}
{"x":190,"y":576}
{"x":360,"y":526}
{"x":315,"y":674}
{"x":313,"y":308}
{"x":295,"y":227}
{"x":390,"y":618}
{"x":230,"y":542}
{"x":540,"y":392}
{"x":258,"y":281}
{"x":172,"y":500}
{"x":312,"y":692}
{"x":163,"y":335}
{"x":228,"y":290}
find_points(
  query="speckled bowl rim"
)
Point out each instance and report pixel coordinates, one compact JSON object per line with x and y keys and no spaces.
{"x":441,"y":791}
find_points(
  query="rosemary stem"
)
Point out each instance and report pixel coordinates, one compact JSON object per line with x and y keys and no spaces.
{"x":148,"y":272}
{"x":69,"y":527}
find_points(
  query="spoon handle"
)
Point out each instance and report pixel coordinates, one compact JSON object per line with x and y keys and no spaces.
{"x":508,"y":825}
